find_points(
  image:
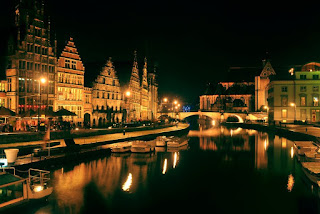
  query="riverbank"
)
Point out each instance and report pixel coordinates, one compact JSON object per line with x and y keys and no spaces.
{"x":289,"y":131}
{"x":89,"y":146}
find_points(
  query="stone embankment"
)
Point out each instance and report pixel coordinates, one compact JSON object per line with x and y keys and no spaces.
{"x":289,"y":131}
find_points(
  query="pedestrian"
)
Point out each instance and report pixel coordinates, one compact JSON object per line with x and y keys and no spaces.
{"x":124,"y":132}
{"x":306,"y":129}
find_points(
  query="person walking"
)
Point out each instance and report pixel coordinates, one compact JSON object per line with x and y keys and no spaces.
{"x":124,"y":132}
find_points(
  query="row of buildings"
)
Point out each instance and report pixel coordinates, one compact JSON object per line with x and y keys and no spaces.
{"x":285,"y":97}
{"x":33,"y":56}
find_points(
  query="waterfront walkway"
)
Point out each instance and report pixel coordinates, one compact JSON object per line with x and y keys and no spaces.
{"x":99,"y":138}
{"x":91,"y":143}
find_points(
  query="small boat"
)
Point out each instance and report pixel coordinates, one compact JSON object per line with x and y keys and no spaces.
{"x":311,"y":170}
{"x":16,"y":190}
{"x":304,"y":146}
{"x":161,"y":141}
{"x":141,"y":146}
{"x":121,"y":147}
{"x":177,"y":142}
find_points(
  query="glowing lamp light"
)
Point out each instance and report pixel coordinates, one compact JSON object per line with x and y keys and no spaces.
{"x":38,"y":188}
{"x":43,"y":80}
{"x":213,"y":122}
{"x":126,"y":186}
{"x":175,"y":102}
{"x":128,"y":93}
{"x":165,"y":100}
{"x":290,"y":183}
{"x":164,"y":170}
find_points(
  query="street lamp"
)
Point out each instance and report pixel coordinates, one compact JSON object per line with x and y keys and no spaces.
{"x":41,"y":81}
{"x":295,"y":106}
{"x":127,"y":94}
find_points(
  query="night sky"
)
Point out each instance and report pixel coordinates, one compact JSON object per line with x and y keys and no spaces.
{"x":192,"y":43}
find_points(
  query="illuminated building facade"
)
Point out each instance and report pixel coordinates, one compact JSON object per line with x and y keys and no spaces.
{"x":134,"y":100}
{"x":31,"y":56}
{"x":107,"y":99}
{"x":145,"y":111}
{"x":261,"y":83}
{"x":142,"y":104}
{"x":297,"y":96}
{"x":153,"y":95}
{"x":71,"y":82}
{"x":229,"y":96}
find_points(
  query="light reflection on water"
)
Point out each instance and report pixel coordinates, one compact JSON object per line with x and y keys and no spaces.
{"x":219,"y":166}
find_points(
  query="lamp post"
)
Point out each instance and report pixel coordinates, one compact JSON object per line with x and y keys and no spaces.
{"x":43,"y":81}
{"x":127,"y":95}
{"x":295,"y":106}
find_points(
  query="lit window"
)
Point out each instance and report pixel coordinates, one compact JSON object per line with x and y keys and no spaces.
{"x":315,"y":101}
{"x":302,"y":101}
{"x":284,"y":113}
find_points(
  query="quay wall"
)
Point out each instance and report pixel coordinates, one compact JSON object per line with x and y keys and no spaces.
{"x":280,"y":131}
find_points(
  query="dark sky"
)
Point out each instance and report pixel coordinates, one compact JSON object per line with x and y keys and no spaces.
{"x":191,"y":42}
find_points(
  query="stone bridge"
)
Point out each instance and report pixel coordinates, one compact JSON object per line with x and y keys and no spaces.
{"x":218,"y":115}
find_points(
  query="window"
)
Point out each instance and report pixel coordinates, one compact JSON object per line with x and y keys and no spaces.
{"x":87,"y":99}
{"x":74,"y":65}
{"x":22,"y":64}
{"x":29,"y":65}
{"x":29,"y":47}
{"x":302,"y":101}
{"x":315,"y":100}
{"x":113,"y":82}
{"x":29,"y":85}
{"x":37,"y":49}
{"x":37,"y":66}
{"x":303,"y":76}
{"x":303,"y":88}
{"x":315,"y":88}
{"x":98,"y":94}
{"x":9,"y":84}
{"x":284,"y":113}
{"x":51,"y":87}
{"x":284,"y":100}
{"x":67,"y":63}
{"x":284,"y":89}
{"x":21,"y":84}
{"x":315,"y":76}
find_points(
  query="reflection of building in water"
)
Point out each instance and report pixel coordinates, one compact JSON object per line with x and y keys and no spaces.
{"x":217,"y":139}
{"x":273,"y":152}
{"x":108,"y":174}
{"x":261,"y":146}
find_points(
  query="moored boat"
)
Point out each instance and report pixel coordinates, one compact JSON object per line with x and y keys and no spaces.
{"x":177,"y":142}
{"x":121,"y":147}
{"x":16,"y":190}
{"x":304,"y":146}
{"x":161,"y":141}
{"x":311,"y":170}
{"x":141,"y":146}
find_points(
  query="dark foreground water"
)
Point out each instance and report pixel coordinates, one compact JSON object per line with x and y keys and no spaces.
{"x":220,"y":171}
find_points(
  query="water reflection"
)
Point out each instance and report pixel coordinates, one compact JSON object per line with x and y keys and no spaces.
{"x":219,"y":165}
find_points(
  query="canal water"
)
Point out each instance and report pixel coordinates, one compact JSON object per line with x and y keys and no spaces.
{"x":220,"y":171}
